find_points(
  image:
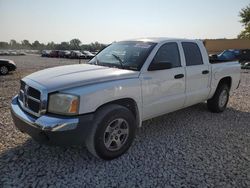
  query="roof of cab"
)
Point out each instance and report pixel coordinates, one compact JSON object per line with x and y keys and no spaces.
{"x":159,"y":39}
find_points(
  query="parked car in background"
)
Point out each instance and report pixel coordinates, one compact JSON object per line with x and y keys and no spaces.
{"x":21,"y":52}
{"x":61,"y":54}
{"x":6,"y":66}
{"x":67,"y":54}
{"x":45,"y":53}
{"x":226,"y":55}
{"x":242,"y":55}
{"x":54,"y":53}
{"x":64,"y":54}
{"x":5,"y":52}
{"x":88,"y":55}
{"x":245,"y":65}
{"x":77,"y":55}
{"x":96,"y":52}
{"x":13,"y":53}
{"x":74,"y":54}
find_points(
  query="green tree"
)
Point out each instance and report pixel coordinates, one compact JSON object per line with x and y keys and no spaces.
{"x":96,"y":46}
{"x":245,"y":20}
{"x":63,"y":46}
{"x":4,"y":45}
{"x":13,"y":44}
{"x":51,"y":46}
{"x":75,"y":44}
{"x":26,"y":44}
{"x":36,"y":45}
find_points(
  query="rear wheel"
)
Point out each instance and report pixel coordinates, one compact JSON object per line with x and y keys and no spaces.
{"x":112,"y":133}
{"x":4,"y":70}
{"x":219,"y":101}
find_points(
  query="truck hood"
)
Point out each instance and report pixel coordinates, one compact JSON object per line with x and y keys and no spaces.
{"x":69,"y":76}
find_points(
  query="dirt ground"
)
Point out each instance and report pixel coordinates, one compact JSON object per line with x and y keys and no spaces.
{"x":188,"y":148}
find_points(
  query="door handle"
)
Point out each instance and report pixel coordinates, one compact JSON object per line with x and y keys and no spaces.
{"x":178,"y":76}
{"x":205,"y":72}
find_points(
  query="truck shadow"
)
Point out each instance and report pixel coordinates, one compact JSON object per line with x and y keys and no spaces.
{"x":42,"y":161}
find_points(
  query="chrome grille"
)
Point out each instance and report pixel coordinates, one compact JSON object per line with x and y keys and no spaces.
{"x":30,"y":99}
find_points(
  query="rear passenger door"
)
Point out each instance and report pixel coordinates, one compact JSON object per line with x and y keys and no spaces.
{"x":197,"y":74}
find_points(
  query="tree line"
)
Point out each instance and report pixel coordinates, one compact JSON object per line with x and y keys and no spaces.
{"x":245,"y":20}
{"x":74,"y":44}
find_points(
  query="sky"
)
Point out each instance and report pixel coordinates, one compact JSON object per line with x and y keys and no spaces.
{"x":106,"y":21}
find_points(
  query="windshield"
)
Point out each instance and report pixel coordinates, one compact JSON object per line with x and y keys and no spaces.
{"x":126,"y":55}
{"x":227,"y":55}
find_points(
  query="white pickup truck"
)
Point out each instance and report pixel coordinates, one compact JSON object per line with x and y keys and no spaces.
{"x":100,"y":104}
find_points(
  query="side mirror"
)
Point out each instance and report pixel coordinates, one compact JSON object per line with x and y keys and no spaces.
{"x":162,"y":65}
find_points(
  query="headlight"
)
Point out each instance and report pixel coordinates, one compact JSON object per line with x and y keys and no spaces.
{"x":65,"y":104}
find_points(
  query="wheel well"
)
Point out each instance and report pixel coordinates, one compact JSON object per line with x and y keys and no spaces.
{"x":129,"y":104}
{"x":4,"y":65}
{"x":226,"y":80}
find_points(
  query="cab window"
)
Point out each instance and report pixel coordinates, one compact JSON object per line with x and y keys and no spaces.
{"x":168,"y":53}
{"x":192,"y":53}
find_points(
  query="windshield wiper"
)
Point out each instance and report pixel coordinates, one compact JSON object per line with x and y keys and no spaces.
{"x":119,"y":59}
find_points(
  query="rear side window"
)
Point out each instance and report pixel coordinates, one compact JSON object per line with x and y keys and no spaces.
{"x":168,"y":52}
{"x":192,"y":53}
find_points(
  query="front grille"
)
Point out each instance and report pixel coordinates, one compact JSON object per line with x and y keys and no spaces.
{"x":33,"y":105}
{"x":34,"y":93}
{"x":22,"y":85}
{"x":30,"y":99}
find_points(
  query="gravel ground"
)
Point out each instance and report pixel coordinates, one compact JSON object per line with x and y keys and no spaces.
{"x":188,"y":148}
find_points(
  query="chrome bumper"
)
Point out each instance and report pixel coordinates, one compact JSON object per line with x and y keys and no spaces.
{"x":44,"y":122}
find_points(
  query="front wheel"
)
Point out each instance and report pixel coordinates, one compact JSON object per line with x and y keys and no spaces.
{"x":4,"y":70}
{"x":218,"y":102}
{"x":112,"y":133}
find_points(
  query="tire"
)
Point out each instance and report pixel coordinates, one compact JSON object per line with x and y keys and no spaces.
{"x":4,"y":70}
{"x":218,"y":102}
{"x":99,"y":139}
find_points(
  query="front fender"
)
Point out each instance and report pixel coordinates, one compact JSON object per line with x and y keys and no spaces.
{"x":95,"y":95}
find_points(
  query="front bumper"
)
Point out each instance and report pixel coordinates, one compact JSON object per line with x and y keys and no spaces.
{"x":12,"y":67}
{"x":52,"y":130}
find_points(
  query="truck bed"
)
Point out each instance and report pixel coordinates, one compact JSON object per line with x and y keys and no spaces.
{"x":220,"y":61}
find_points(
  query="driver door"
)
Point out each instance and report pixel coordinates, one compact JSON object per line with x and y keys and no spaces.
{"x":163,"y":91}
